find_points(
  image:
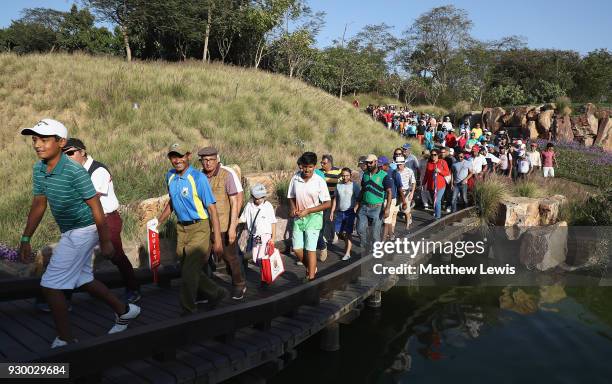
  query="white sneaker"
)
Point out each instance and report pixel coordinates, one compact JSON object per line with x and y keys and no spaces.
{"x":58,"y":343}
{"x":346,"y":257}
{"x":121,"y":322}
{"x":448,"y":210}
{"x":323,"y":255}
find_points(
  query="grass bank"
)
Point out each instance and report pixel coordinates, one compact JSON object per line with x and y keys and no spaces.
{"x":258,"y":120}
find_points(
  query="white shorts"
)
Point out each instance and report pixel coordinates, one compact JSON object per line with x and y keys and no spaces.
{"x":392,"y":212}
{"x":70,"y":265}
{"x":549,"y":172}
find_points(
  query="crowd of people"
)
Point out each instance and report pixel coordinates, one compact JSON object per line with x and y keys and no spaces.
{"x":326,"y":202}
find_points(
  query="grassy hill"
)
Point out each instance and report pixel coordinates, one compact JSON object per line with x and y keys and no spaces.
{"x":258,"y":120}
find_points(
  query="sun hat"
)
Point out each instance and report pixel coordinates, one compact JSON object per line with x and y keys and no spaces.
{"x":371,"y":157}
{"x":179,"y":149}
{"x":399,"y":159}
{"x":47,"y":127}
{"x":258,"y":191}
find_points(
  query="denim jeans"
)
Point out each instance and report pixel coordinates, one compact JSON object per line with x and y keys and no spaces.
{"x":324,"y":234}
{"x":373,"y":213}
{"x":460,"y":189}
{"x":438,"y":203}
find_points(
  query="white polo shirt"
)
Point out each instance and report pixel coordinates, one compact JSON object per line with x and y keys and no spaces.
{"x":308,"y":194}
{"x":103,"y":184}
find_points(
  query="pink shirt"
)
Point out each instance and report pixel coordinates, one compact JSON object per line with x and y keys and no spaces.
{"x":548,"y":158}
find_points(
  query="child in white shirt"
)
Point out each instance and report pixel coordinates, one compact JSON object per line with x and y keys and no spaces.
{"x":260,"y":219}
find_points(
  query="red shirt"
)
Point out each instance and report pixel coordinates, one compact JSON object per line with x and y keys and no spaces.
{"x":389,"y":117}
{"x":429,"y":174}
{"x":461,"y":142}
{"x":451,"y":140}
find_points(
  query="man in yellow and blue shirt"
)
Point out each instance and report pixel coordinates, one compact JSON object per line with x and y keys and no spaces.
{"x":193,"y":203}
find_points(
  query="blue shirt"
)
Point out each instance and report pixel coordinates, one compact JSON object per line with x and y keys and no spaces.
{"x":190,"y":194}
{"x":396,"y":179}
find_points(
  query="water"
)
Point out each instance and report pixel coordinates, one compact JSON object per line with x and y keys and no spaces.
{"x":469,"y":334}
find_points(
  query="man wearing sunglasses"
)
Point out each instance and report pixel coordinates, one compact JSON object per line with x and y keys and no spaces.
{"x":103,"y":184}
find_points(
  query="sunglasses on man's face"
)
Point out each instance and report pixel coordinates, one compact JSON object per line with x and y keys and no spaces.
{"x":370,"y":162}
{"x":71,"y":152}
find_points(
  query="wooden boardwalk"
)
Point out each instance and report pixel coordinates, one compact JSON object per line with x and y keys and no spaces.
{"x":212,"y":345}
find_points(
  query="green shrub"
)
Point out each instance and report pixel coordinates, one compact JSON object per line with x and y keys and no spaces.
{"x":596,"y":210}
{"x":487,"y":197}
{"x":563,"y":105}
{"x":527,"y":189}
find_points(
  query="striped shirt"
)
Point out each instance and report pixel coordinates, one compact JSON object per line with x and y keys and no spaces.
{"x":331,"y":179}
{"x":66,"y":187}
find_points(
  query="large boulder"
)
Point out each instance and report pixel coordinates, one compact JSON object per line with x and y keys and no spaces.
{"x":545,"y":121}
{"x":492,"y":118}
{"x":148,"y":209}
{"x":564,"y":130}
{"x":549,"y":209}
{"x":544,"y":248}
{"x":533,"y":130}
{"x":519,"y":116}
{"x":518,"y":212}
{"x":586,"y":125}
{"x":604,"y":133}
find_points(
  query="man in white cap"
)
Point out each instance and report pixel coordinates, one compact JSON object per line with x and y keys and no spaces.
{"x":76,"y":208}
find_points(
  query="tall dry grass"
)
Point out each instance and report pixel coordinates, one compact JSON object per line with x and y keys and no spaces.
{"x":258,"y":120}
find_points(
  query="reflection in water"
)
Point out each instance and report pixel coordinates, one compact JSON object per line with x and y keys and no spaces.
{"x":470,"y":334}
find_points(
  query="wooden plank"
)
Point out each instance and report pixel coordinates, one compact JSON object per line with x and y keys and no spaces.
{"x":183,"y":373}
{"x":33,"y":337}
{"x":119,"y":374}
{"x":32,"y":316}
{"x":202,"y":366}
{"x":12,"y":350}
{"x":149,"y":372}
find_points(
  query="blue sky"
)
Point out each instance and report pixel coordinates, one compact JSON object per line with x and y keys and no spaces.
{"x":561,"y":24}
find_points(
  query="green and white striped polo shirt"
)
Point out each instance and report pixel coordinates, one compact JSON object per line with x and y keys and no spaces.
{"x":66,"y":187}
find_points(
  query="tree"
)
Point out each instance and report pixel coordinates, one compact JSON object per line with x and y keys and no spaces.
{"x":125,"y":13}
{"x":434,"y":38}
{"x":594,"y":77}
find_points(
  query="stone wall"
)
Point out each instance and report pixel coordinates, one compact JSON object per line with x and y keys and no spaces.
{"x":589,"y":125}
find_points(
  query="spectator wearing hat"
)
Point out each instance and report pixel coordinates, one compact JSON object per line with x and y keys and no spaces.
{"x":523,"y":166}
{"x":410,"y":159}
{"x":408,"y":186}
{"x":260,"y":219}
{"x":193,"y":202}
{"x":374,"y":201}
{"x":398,"y":200}
{"x":225,"y":189}
{"x":67,"y":188}
{"x":104,"y":186}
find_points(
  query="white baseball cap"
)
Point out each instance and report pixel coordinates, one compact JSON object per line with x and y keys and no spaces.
{"x":47,"y":127}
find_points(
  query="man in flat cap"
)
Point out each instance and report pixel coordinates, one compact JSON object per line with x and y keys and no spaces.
{"x":226,"y":190}
{"x":192,"y":200}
